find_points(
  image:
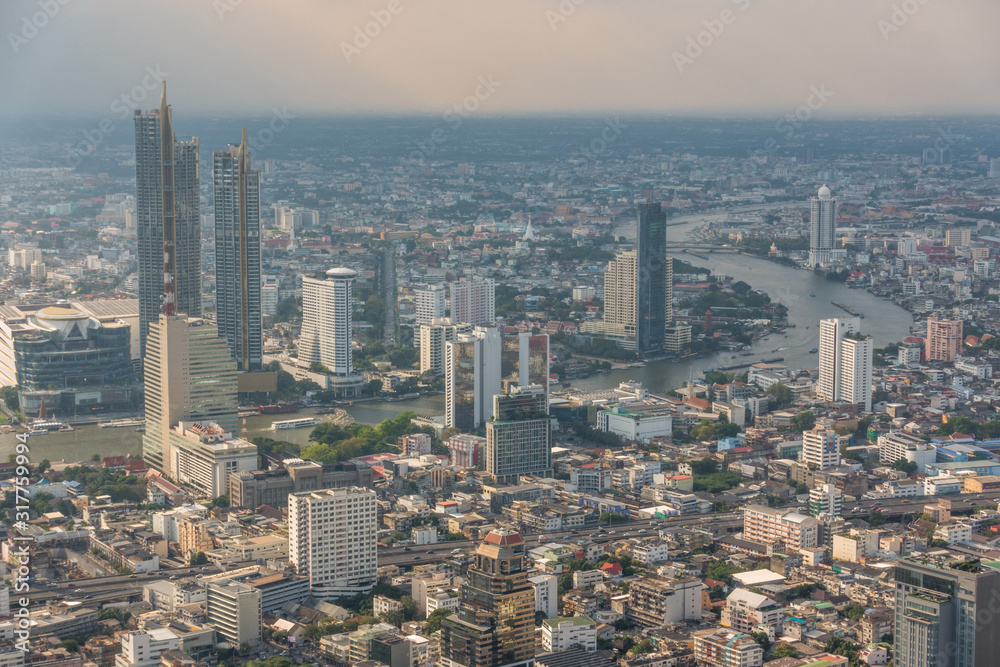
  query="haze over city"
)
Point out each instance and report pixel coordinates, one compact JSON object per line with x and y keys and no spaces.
{"x":574,"y":56}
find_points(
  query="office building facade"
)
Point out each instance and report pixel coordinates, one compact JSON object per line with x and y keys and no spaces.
{"x":651,"y":279}
{"x":189,"y":376}
{"x":237,"y":254}
{"x":494,"y":626}
{"x":332,"y":540}
{"x":168,"y":219}
{"x":941,"y":612}
{"x":519,"y":436}
{"x":73,"y":364}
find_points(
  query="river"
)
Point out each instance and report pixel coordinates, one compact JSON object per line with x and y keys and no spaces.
{"x":885,"y":321}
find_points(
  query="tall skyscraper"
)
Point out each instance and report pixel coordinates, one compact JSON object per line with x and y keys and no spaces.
{"x":481,"y":365}
{"x":944,"y":339}
{"x":822,"y":227}
{"x":189,"y":375}
{"x":494,"y":626}
{"x":237,"y":254}
{"x":474,"y":301}
{"x":472,"y":378}
{"x":845,"y":362}
{"x":430,"y":305}
{"x":651,"y":277}
{"x":856,"y":354}
{"x":326,"y":321}
{"x":333,"y":538}
{"x":168,"y":219}
{"x":941,"y":613}
{"x":620,"y":295}
{"x":519,"y":435}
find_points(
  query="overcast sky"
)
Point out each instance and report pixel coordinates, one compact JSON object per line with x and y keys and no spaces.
{"x":573,"y":56}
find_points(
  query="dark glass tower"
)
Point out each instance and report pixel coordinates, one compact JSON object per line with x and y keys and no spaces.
{"x":651,"y":279}
{"x":494,"y":626}
{"x":237,"y":254}
{"x":168,"y":219}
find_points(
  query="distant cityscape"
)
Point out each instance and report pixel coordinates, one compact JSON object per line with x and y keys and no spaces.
{"x":680,"y":404}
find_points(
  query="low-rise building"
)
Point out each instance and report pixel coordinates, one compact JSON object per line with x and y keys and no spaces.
{"x":561,"y":634}
{"x":656,"y":601}
{"x":722,"y":648}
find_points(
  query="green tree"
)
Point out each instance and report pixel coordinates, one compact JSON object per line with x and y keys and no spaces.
{"x":909,"y":467}
{"x":782,"y":394}
{"x":198,"y":558}
{"x":9,"y":397}
{"x":804,"y":421}
{"x":434,"y":620}
{"x":221,"y":501}
{"x":876,"y":518}
{"x":762,"y":640}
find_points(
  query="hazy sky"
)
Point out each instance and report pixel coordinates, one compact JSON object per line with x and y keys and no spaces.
{"x":575,"y":56}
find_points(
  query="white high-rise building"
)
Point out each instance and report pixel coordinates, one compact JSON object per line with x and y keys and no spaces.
{"x":856,"y":371}
{"x":332,"y":539}
{"x":822,"y":227}
{"x":433,"y":337}
{"x":326,"y":321}
{"x":994,"y":168}
{"x":474,"y":301}
{"x":430,"y":304}
{"x":845,"y":362}
{"x":820,"y":448}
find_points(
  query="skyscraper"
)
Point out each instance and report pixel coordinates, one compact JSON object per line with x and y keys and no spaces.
{"x":189,"y":375}
{"x":472,"y":378}
{"x":519,"y":435}
{"x":480,"y":365}
{"x":474,"y":302}
{"x":941,"y":613}
{"x":944,"y":339}
{"x":326,"y":321}
{"x":822,"y":227}
{"x":332,"y":539}
{"x":494,"y":626}
{"x":856,"y":354}
{"x":620,"y":296}
{"x":168,"y":219}
{"x":651,"y":277}
{"x":237,"y":254}
{"x":845,"y":362}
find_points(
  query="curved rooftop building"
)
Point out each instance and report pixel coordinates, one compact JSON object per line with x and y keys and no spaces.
{"x":76,"y":364}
